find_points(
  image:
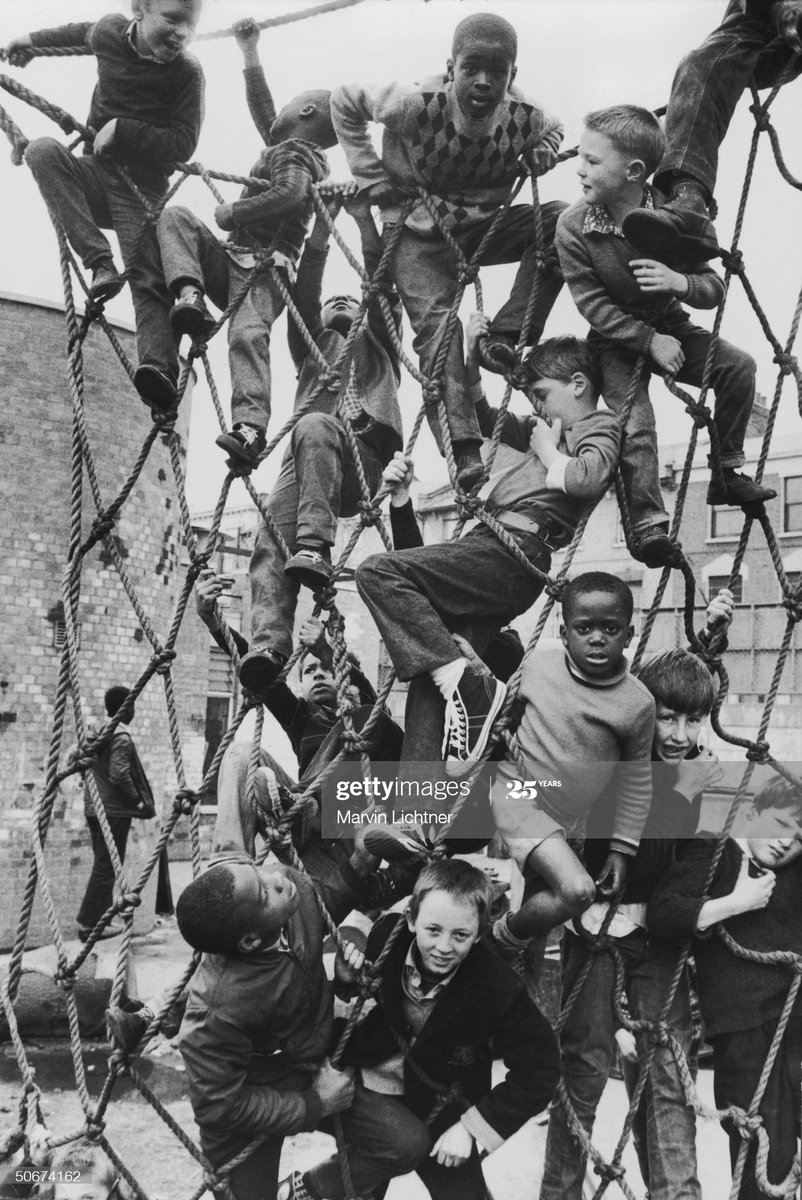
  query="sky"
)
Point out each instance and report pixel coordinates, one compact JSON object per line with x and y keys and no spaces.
{"x":574,"y":55}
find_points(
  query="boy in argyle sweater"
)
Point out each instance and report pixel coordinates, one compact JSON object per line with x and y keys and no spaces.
{"x":462,"y":138}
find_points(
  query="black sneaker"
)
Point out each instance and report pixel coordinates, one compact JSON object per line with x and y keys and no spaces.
{"x":293,"y":1188}
{"x":498,"y":353}
{"x":396,"y":843}
{"x":312,"y":568}
{"x":738,"y":490}
{"x":127,"y":1028}
{"x":468,"y":462}
{"x":469,"y":718}
{"x":155,"y":388}
{"x":653,"y":547}
{"x":260,"y":668}
{"x":245,"y":445}
{"x":191,"y":316}
{"x":106,"y":282}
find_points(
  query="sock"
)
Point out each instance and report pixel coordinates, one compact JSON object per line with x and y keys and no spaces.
{"x":687,"y":184}
{"x":503,"y":935}
{"x":448,"y":676}
{"x":190,"y":292}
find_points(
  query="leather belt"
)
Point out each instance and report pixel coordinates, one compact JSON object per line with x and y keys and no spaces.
{"x":552,"y":534}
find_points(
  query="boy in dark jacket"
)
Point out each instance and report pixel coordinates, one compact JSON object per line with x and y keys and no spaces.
{"x":753,"y":900}
{"x":146,"y":115}
{"x":447,"y":1006}
{"x":264,"y":221}
{"x":633,"y":307}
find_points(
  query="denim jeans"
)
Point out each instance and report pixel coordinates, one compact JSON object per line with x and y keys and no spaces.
{"x":417,"y":597}
{"x":732,"y":380}
{"x":738,"y":1059}
{"x":193,"y":255}
{"x":587,"y":1047}
{"x":385,"y":1140}
{"x":425,"y":272}
{"x":318,"y":483}
{"x":86,"y":195}
{"x":100,"y":887}
{"x":709,"y":83}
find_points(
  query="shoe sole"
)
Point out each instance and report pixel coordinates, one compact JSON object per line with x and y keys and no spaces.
{"x":455,"y":767}
{"x":656,"y":241}
{"x":392,"y":849}
{"x":234,"y":447}
{"x":154,"y":389}
{"x":193,"y":324}
{"x":309,"y":579}
{"x":106,"y":291}
{"x":258,"y":674}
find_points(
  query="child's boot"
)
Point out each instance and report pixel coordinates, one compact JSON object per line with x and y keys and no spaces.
{"x":310,"y":566}
{"x":738,"y":490}
{"x":680,"y":232}
{"x":244,"y":444}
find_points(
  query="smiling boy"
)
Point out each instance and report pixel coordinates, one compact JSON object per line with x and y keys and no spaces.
{"x":445,"y":1010}
{"x":583,"y":715}
{"x":460,"y":136}
{"x":753,"y":898}
{"x":146,"y":113}
{"x":633,"y":307}
{"x":476,"y":585}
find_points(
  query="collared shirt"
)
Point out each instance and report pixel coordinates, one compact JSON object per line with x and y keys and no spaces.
{"x":598,"y":219}
{"x":130,"y":34}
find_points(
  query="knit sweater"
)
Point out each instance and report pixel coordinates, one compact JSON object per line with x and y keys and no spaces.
{"x":580,"y":476}
{"x":158,"y":106}
{"x":468,"y":166}
{"x":734,"y":994}
{"x":575,"y":729}
{"x":596,"y":268}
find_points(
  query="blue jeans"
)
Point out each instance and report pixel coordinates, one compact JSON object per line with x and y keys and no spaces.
{"x":86,"y":195}
{"x":738,"y":1059}
{"x":318,"y":483}
{"x":425,"y":272}
{"x":587,"y":1048}
{"x":732,"y":380}
{"x":417,"y":597}
{"x":709,"y":83}
{"x":193,"y":255}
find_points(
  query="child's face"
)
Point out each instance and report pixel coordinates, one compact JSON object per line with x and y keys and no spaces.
{"x":317,"y":682}
{"x":339,"y":312}
{"x":595,"y":633}
{"x":265,"y":899}
{"x":675,"y":733}
{"x":481,"y":73}
{"x":558,"y":397}
{"x":445,"y":931}
{"x":89,"y":1187}
{"x":603,"y":171}
{"x":166,"y":27}
{"x":780,"y":840}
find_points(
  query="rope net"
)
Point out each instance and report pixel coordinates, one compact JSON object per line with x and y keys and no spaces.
{"x":276,"y":823}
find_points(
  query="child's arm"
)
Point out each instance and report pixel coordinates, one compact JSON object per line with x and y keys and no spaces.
{"x":308,"y":287}
{"x":748,"y":895}
{"x":353,"y":108}
{"x":358,"y":206}
{"x":702,"y":289}
{"x":290,"y":181}
{"x":208,"y":590}
{"x":257,"y":93}
{"x":786,"y":15}
{"x":516,"y":431}
{"x":543,"y":154}
{"x":525,"y":1041}
{"x":586,"y":473}
{"x":312,"y":635}
{"x":634,"y":790}
{"x":18,"y":52}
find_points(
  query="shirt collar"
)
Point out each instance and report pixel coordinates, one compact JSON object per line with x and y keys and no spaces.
{"x":592,"y":680}
{"x":130,"y":34}
{"x":598,"y":219}
{"x":413,"y":979}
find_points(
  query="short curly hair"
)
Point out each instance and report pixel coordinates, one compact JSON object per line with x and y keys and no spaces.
{"x":206,"y":913}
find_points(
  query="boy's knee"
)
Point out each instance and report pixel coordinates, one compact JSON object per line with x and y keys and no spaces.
{"x":42,"y":153}
{"x":410,"y":1147}
{"x":371,"y":574}
{"x":175,"y":217}
{"x":315,"y":427}
{"x":579,"y":893}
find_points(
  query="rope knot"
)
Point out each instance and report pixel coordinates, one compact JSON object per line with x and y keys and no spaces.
{"x":94,"y":1130}
{"x":758,"y":753}
{"x":468,"y":505}
{"x":793,"y":606}
{"x":555,"y":589}
{"x":608,"y":1172}
{"x":369,"y":983}
{"x":762,"y":119}
{"x":432,"y":393}
{"x":733,"y":261}
{"x":331,"y":380}
{"x":660,"y":1034}
{"x":126,"y":904}
{"x":161,"y":661}
{"x":786,"y":362}
{"x":326,"y":597}
{"x":700,"y":414}
{"x":101,"y":526}
{"x":371,"y":513}
{"x":64,"y":977}
{"x":468,"y":274}
{"x":185,"y":801}
{"x":746,"y":1125}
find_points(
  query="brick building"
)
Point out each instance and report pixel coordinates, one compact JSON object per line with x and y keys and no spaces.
{"x":35,"y":466}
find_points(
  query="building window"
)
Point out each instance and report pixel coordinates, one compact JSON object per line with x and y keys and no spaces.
{"x":725,"y":522}
{"x":792,"y":504}
{"x":716,"y":582}
{"x":60,"y":634}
